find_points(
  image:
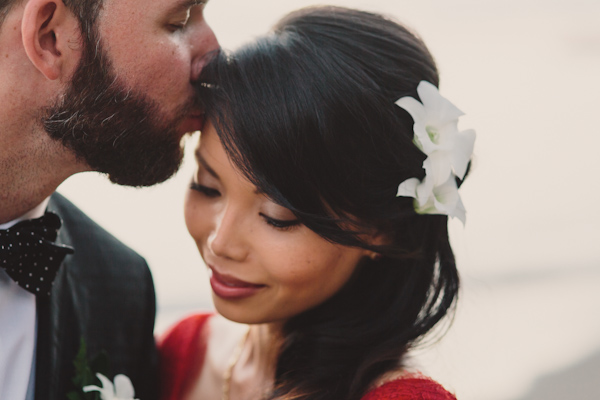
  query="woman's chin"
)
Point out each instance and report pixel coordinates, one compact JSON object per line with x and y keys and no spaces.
{"x":245,"y":313}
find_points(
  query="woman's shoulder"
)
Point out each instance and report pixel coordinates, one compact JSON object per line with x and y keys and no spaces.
{"x":412,"y":386}
{"x":183,"y":333}
{"x":194,"y":353}
{"x":182,"y":350}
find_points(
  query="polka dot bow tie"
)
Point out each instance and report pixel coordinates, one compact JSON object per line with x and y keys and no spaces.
{"x":30,"y":256}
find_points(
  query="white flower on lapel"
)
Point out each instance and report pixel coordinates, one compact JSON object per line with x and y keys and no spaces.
{"x":448,"y":152}
{"x":121,"y":390}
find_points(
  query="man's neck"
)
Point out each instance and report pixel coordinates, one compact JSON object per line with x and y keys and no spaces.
{"x":36,"y":212}
{"x":32,"y":165}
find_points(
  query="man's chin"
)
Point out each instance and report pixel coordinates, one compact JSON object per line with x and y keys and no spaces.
{"x":151,"y":176}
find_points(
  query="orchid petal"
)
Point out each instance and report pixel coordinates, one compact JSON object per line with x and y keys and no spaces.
{"x":413,"y":107}
{"x":460,"y":212}
{"x":123,"y":386}
{"x":106,"y":383}
{"x":461,"y":154}
{"x":419,"y":116}
{"x":430,"y":97}
{"x":447,"y":200}
{"x":422,"y":138}
{"x":425,"y":192}
{"x":437,"y":105}
{"x":408,"y":188}
{"x":446,"y":196}
{"x":438,"y":167}
{"x":104,"y":394}
{"x":448,"y":111}
{"x":447,"y":135}
{"x":427,"y":208}
{"x":92,"y":388}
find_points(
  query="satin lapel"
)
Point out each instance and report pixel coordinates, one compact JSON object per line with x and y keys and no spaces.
{"x":54,"y":334}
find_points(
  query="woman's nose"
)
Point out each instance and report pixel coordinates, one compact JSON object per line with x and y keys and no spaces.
{"x":228,"y":238}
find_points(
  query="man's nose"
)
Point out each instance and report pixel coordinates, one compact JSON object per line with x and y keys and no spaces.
{"x":205,"y":45}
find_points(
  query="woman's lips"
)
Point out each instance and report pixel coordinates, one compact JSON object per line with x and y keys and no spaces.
{"x":228,"y":287}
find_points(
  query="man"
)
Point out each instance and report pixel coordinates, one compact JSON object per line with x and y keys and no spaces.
{"x":85,"y":85}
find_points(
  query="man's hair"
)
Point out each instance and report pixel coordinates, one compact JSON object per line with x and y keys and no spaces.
{"x":5,"y":7}
{"x":85,"y":10}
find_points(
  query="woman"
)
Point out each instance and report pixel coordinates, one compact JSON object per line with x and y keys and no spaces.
{"x":320,"y":208}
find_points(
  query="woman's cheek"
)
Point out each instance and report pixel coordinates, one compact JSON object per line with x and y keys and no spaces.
{"x":192,"y":215}
{"x":294,"y":268}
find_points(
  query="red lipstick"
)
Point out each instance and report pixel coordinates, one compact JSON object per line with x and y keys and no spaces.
{"x":228,"y":287}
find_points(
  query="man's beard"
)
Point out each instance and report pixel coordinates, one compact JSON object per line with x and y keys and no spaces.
{"x":113,"y":128}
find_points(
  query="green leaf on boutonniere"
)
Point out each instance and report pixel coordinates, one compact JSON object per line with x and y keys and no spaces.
{"x":85,"y":373}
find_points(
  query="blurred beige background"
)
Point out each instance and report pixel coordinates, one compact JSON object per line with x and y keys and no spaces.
{"x":527,"y":75}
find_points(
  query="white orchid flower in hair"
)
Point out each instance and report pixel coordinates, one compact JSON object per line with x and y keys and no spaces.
{"x":121,"y":390}
{"x":429,"y":199}
{"x":448,"y":152}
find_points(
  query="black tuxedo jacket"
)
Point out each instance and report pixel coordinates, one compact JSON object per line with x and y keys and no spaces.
{"x":104,"y":294}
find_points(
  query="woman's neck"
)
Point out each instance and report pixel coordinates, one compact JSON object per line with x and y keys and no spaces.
{"x":264,"y":342}
{"x":254,"y":372}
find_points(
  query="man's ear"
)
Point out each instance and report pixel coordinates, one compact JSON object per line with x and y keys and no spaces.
{"x":49,"y":30}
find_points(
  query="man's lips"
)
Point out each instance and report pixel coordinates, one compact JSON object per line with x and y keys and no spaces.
{"x":194,"y":122}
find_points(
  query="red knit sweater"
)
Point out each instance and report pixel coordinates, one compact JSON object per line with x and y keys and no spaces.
{"x":183,"y":347}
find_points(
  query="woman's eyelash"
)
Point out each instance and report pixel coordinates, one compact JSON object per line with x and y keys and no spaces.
{"x":205,"y":190}
{"x":280,"y":224}
{"x":276,"y":223}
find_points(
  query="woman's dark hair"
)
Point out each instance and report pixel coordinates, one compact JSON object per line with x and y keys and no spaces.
{"x":307,"y":113}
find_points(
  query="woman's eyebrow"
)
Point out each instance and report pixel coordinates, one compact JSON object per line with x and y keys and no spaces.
{"x":203,"y":162}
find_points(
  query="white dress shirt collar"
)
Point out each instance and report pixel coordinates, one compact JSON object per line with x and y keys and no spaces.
{"x":17,"y":329}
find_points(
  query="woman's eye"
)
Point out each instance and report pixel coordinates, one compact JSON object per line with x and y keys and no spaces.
{"x":280,"y":223}
{"x":205,"y":190}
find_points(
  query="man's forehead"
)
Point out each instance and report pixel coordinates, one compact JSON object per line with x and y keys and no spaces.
{"x":135,"y":11}
{"x":172,"y":6}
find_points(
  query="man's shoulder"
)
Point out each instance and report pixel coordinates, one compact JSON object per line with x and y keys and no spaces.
{"x":88,"y":238}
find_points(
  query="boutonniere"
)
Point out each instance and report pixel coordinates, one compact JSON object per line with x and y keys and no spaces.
{"x":122,"y":389}
{"x":90,"y":373}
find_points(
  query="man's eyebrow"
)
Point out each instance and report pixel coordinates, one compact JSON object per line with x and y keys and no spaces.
{"x":183,"y":5}
{"x":204,"y":164}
